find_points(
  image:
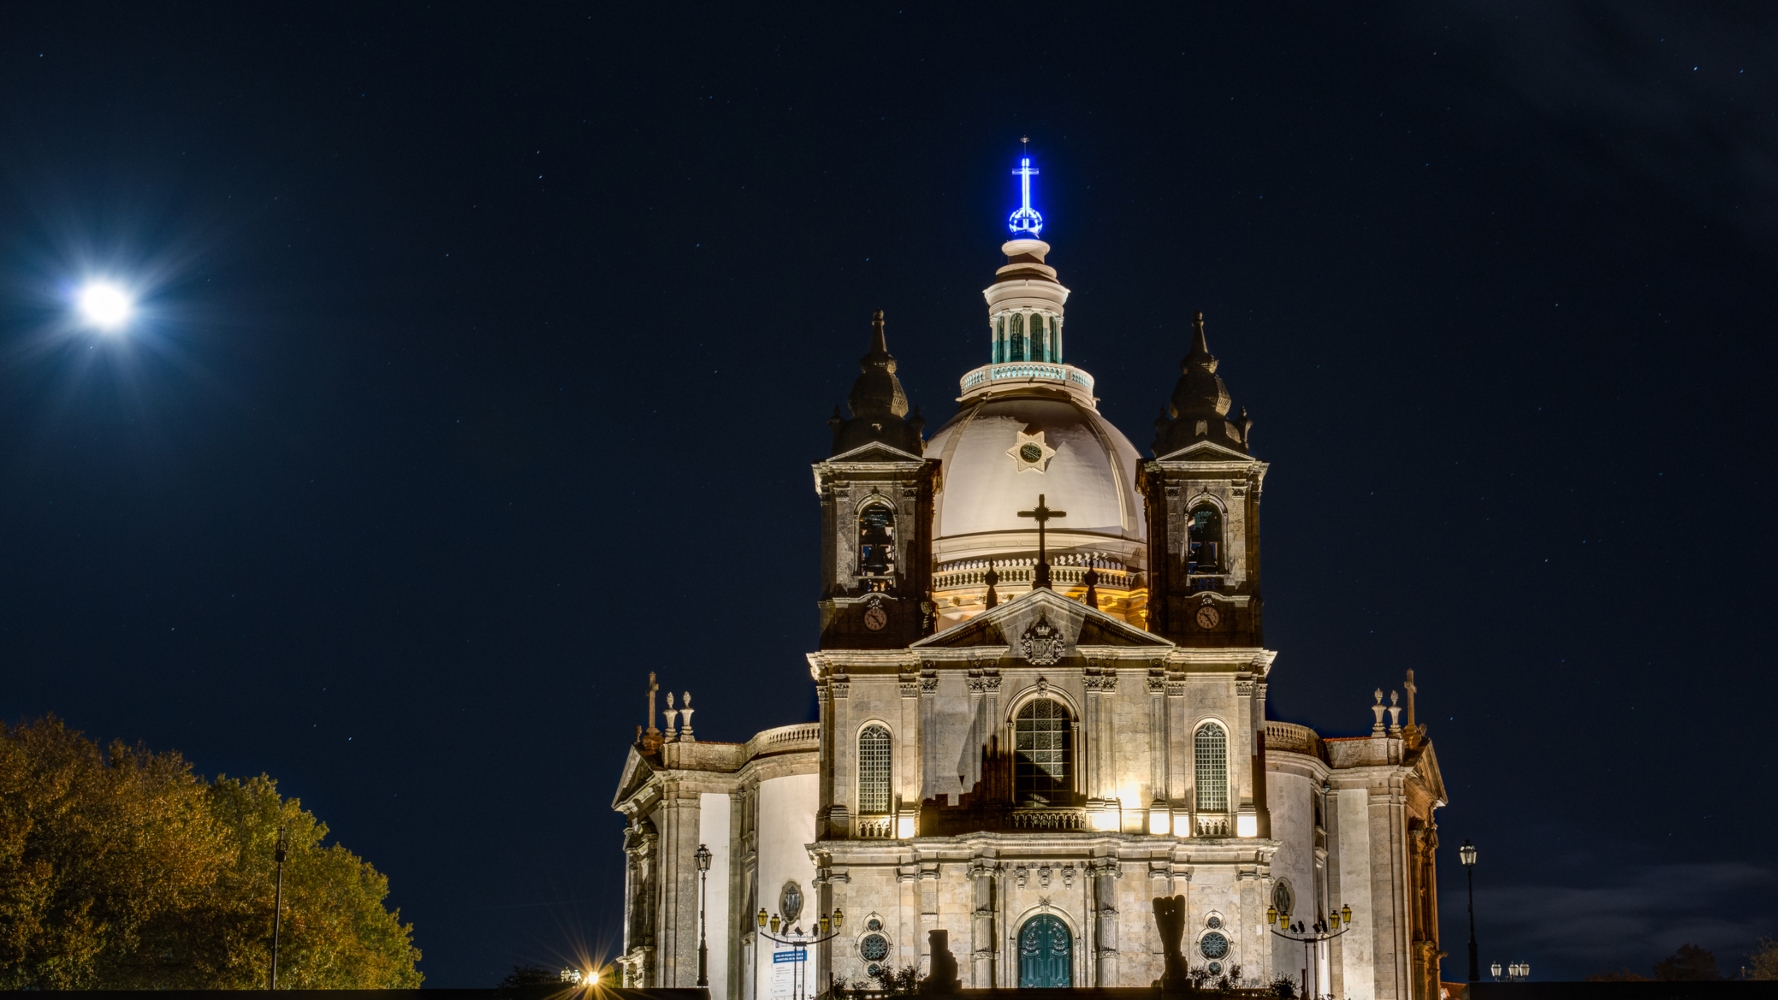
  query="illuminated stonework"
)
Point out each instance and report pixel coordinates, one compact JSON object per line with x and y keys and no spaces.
{"x":1026,"y":767}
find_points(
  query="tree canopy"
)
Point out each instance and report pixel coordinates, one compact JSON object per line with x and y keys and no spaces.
{"x":121,"y":869}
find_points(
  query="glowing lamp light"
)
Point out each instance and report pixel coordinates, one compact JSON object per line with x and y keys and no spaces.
{"x":1158,"y":821}
{"x":104,"y":305}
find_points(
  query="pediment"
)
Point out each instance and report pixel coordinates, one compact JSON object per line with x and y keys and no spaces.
{"x":637,"y":772}
{"x":1077,"y":625}
{"x":874,"y":451}
{"x":1426,"y":766}
{"x":1205,"y":451}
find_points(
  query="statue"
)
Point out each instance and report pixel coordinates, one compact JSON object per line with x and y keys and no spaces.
{"x":943,"y":978}
{"x":1169,"y":920}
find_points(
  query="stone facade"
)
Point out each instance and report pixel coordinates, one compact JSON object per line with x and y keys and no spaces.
{"x":1028,"y":769}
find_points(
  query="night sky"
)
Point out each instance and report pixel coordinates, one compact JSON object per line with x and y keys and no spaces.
{"x":485,"y":349}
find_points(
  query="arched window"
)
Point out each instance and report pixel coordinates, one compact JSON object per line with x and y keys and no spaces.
{"x":876,"y":540}
{"x":1016,"y":348}
{"x":1040,"y":338}
{"x":1204,"y":535}
{"x":1043,"y":738}
{"x":874,"y":760}
{"x":1210,"y":751}
{"x":1000,"y":340}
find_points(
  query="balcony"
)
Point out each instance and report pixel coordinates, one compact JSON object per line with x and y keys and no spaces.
{"x":876,"y":828}
{"x":1048,"y":818}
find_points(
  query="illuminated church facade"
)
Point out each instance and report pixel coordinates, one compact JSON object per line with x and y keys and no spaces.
{"x":1042,"y":681}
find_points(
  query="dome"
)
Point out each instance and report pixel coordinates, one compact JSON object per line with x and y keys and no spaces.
{"x":1000,"y":453}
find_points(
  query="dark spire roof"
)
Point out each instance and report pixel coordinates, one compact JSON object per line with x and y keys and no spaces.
{"x":878,"y":404}
{"x":1200,"y":405}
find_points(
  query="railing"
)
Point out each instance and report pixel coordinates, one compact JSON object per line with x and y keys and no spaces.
{"x":1290,"y":736}
{"x":1065,"y":570}
{"x":1213,"y":825}
{"x":784,"y":739}
{"x":1049,"y":818}
{"x":876,"y":827}
{"x":1028,"y":371}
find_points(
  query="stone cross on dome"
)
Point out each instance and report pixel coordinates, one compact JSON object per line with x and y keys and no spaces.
{"x":1041,"y":514}
{"x":1026,"y":221}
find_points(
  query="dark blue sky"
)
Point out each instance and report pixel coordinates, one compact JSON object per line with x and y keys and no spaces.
{"x":485,"y":351}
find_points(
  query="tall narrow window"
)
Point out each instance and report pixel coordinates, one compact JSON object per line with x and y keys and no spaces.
{"x":1000,"y":340}
{"x":876,"y":540}
{"x":1043,"y":737}
{"x":1204,"y":535}
{"x":1210,"y":751}
{"x":1040,"y":338}
{"x":874,"y":760}
{"x":1056,"y":340}
{"x":1016,"y":345}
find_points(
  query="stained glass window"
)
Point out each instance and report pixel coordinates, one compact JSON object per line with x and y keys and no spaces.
{"x":1213,"y":945}
{"x":874,"y":947}
{"x":1211,"y":751}
{"x":873,"y":771}
{"x":1042,"y":738}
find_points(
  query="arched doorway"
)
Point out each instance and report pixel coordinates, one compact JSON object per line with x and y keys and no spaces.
{"x":1046,"y":953}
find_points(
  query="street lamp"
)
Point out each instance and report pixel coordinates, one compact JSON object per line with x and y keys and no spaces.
{"x":278,"y":901}
{"x":1467,"y":854}
{"x":1338,"y":922}
{"x":1517,"y":972}
{"x":703,"y":858}
{"x":827,"y":929}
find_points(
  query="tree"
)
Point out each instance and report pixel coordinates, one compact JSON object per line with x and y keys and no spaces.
{"x":120,"y":869}
{"x":1763,"y":963}
{"x":1689,"y":964}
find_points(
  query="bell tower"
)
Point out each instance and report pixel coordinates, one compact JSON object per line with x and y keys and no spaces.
{"x":876,"y":492}
{"x":1202,"y":491}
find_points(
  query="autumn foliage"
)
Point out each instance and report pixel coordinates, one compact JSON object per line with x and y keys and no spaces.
{"x":121,"y":869}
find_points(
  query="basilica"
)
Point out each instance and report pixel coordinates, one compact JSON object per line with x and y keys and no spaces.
{"x":1042,"y":677}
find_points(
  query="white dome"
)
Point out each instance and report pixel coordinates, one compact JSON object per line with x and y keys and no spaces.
{"x":1071,"y":455}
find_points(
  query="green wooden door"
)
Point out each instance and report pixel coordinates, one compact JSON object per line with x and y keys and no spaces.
{"x":1046,"y":953}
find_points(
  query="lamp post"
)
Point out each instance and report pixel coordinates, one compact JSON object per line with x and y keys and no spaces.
{"x":277,"y":904}
{"x":1466,"y":854}
{"x":1338,"y":922}
{"x":703,"y":858}
{"x":826,"y":930}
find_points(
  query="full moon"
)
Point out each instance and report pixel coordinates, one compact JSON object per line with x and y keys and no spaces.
{"x":105,"y":305}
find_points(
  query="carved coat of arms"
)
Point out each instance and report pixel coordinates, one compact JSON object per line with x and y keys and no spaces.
{"x":1042,"y":642}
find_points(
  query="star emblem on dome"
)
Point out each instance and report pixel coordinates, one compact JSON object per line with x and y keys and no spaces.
{"x":1031,"y":454}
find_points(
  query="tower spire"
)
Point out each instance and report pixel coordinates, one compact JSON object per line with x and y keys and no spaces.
{"x":879,"y":405}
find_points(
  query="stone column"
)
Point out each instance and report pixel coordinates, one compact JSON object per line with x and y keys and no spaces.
{"x":1103,"y":874}
{"x":982,"y":872}
{"x":908,"y":745}
{"x":929,"y":770}
{"x":1157,"y":739}
{"x":838,"y":760}
{"x":677,"y":940}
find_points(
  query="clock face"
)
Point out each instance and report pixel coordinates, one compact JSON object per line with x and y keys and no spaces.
{"x":1209,"y":617}
{"x":875,"y":618}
